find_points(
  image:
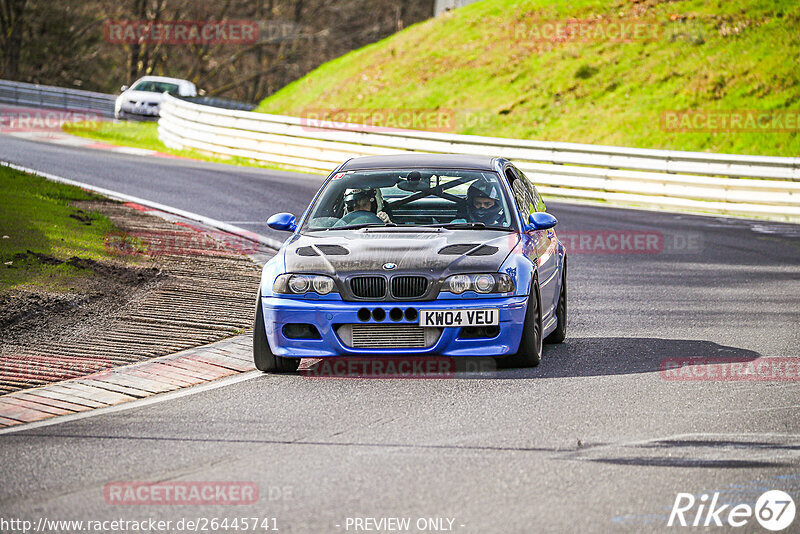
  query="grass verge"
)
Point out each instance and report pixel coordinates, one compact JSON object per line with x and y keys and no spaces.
{"x":145,"y":135}
{"x":502,"y":70}
{"x":42,"y":232}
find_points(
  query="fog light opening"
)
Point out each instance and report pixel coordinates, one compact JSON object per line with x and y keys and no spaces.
{"x":379,"y":314}
{"x":411,"y":314}
{"x":396,"y":314}
{"x":300,"y":331}
{"x":364,"y":315}
{"x":479,"y":332}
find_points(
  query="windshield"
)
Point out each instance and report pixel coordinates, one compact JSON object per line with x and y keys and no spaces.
{"x":156,"y":87}
{"x":411,"y":197}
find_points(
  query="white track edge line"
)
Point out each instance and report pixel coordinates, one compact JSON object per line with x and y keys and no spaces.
{"x":208,"y":221}
{"x":251,"y":236}
{"x":153,"y":399}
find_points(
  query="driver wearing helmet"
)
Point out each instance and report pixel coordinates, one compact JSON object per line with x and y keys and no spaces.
{"x":483,"y":204}
{"x":364,"y":200}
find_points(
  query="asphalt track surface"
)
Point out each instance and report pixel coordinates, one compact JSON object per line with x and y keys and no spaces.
{"x":593,"y":440}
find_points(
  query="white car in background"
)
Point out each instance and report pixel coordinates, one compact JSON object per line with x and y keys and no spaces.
{"x":143,"y":98}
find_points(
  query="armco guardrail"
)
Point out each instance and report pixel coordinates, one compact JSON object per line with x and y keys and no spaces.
{"x":217,"y":102}
{"x":713,"y":183}
{"x":44,"y":96}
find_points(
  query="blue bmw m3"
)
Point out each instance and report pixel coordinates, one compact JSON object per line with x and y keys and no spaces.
{"x":415,"y":255}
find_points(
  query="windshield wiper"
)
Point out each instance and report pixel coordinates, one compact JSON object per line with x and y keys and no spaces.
{"x":350,"y":227}
{"x":471,"y":225}
{"x":367,"y":225}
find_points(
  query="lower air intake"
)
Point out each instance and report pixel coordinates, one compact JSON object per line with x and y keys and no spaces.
{"x":388,"y":336}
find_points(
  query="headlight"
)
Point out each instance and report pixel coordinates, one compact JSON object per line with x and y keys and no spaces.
{"x":322,"y":285}
{"x":484,"y":283}
{"x":299,"y":284}
{"x":458,"y":283}
{"x":480,"y":283}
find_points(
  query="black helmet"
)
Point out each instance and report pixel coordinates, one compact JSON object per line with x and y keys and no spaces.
{"x":483,"y":189}
{"x":353,"y":197}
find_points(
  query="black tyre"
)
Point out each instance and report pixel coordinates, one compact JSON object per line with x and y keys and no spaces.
{"x":529,"y":353}
{"x":560,"y":333}
{"x":262,"y":355}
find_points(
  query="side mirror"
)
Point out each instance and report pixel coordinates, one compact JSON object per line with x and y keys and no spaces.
{"x":542,"y":221}
{"x":124,"y":88}
{"x":284,"y":222}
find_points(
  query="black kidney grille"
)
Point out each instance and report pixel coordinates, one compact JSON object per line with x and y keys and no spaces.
{"x":409,"y":287}
{"x":368,"y":287}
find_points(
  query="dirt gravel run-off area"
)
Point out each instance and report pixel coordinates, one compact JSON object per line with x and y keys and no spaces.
{"x":190,"y":286}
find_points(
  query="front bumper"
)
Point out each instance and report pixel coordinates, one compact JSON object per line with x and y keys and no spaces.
{"x":150,"y":111}
{"x":326,"y":315}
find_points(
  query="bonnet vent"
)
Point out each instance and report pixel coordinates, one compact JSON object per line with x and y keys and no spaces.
{"x":464,"y":248}
{"x":328,"y":250}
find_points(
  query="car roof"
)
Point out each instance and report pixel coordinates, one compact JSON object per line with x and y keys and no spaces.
{"x":404,"y":161}
{"x":162,"y":79}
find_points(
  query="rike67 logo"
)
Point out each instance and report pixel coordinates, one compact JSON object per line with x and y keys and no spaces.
{"x":774,"y":510}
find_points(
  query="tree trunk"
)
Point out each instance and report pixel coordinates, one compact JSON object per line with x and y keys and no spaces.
{"x":11,"y":29}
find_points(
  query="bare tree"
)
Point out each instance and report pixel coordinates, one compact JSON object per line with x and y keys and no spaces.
{"x":63,"y":43}
{"x":11,"y":27}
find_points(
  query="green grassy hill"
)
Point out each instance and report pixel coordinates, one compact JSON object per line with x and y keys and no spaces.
{"x":495,"y":65}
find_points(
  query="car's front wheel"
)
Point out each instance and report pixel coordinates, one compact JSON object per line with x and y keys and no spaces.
{"x":529,"y":353}
{"x":263,"y":357}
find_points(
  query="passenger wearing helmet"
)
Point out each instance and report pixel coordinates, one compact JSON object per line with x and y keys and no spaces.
{"x":361,"y":207}
{"x":483,"y":204}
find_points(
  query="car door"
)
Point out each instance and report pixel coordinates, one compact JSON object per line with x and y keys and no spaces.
{"x":541,"y":243}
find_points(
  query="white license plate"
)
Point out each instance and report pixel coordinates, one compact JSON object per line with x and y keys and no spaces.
{"x":488,"y":317}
